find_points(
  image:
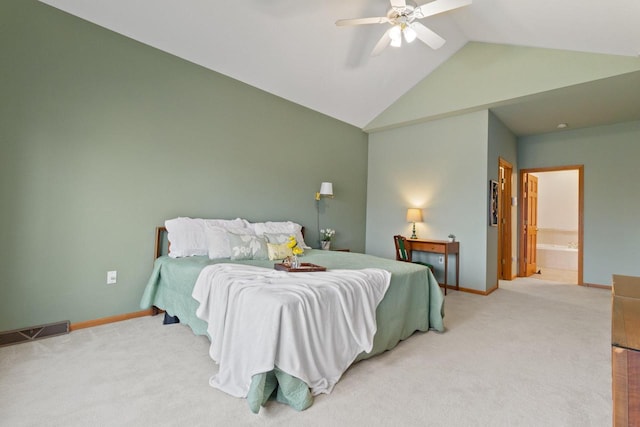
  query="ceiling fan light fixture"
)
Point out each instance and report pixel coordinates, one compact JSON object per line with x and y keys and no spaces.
{"x":409,"y":34}
{"x":403,"y":17}
{"x":395,"y":34}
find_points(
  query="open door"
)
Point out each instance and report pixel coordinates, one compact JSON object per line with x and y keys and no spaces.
{"x":505,"y":172}
{"x":530,"y":223}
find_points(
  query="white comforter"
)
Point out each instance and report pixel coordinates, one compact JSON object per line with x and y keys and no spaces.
{"x":310,"y":325}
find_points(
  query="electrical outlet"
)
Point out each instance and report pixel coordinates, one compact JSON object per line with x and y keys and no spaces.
{"x":112,"y":277}
{"x":441,"y":259}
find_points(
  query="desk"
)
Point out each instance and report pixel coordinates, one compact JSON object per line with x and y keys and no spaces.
{"x":444,"y":247}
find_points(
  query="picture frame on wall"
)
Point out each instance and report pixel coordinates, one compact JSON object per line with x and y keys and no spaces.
{"x":493,"y":203}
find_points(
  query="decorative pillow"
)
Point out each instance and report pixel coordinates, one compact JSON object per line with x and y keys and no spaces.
{"x":278,"y":251}
{"x":247,"y":246}
{"x":218,"y":240}
{"x":216,"y":233}
{"x":283,"y":227}
{"x":186,"y":237}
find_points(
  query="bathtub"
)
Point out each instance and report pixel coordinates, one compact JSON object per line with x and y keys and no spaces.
{"x":561,"y":257}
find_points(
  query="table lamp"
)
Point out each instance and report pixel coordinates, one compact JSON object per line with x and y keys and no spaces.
{"x":414,"y":215}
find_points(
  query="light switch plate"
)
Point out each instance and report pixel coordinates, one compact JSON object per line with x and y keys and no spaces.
{"x":112,"y":277}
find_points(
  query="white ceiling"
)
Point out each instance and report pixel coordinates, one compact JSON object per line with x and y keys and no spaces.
{"x":294,"y":50}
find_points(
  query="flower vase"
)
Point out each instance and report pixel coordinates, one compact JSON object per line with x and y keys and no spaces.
{"x":326,"y":245}
{"x":295,"y":262}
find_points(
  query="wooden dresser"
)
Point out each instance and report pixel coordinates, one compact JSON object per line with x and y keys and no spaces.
{"x":625,"y":350}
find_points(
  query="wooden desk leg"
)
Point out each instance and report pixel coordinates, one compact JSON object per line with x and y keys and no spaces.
{"x":458,"y":271}
{"x":446,"y":269}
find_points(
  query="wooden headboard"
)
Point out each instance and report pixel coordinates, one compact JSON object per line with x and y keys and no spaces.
{"x":160,"y":233}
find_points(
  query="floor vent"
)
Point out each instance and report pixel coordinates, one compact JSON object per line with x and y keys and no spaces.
{"x":34,"y":333}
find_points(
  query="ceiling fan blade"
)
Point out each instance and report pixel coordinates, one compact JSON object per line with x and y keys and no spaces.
{"x":427,"y":36}
{"x":382,"y":43}
{"x":398,"y":3}
{"x":362,"y":21}
{"x":439,"y":6}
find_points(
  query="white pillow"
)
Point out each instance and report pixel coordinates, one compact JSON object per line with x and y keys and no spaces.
{"x":277,"y":237}
{"x":227,"y":223}
{"x":217,"y":238}
{"x":284,"y":227}
{"x":186,"y":237}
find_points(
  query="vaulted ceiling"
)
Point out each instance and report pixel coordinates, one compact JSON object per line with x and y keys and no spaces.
{"x":294,"y":50}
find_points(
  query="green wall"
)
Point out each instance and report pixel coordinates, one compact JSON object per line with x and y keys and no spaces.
{"x":103,"y":138}
{"x":482,"y":75}
{"x":422,"y":123}
{"x":444,"y":167}
{"x":502,"y":144}
{"x":611,"y":192}
{"x":441,"y":167}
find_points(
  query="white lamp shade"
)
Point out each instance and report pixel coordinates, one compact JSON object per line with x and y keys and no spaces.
{"x":409,"y":34}
{"x":395,"y":33}
{"x":326,"y":189}
{"x":414,"y":215}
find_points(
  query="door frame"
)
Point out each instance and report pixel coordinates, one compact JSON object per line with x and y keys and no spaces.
{"x":522,"y":216}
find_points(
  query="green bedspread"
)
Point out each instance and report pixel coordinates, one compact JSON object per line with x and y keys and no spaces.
{"x":413,"y":302}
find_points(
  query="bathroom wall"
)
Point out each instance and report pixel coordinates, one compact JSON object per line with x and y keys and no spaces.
{"x":558,"y":208}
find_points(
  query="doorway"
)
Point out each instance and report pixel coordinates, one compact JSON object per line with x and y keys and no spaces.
{"x":551,"y":223}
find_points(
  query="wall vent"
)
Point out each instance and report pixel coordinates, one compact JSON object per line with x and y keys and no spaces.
{"x":34,"y":333}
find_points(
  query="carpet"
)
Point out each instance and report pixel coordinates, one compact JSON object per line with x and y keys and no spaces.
{"x":532,"y":353}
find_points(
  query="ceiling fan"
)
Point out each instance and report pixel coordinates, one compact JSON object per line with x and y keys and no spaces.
{"x":402,"y":17}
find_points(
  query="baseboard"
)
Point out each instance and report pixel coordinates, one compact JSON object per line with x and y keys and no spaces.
{"x":595,"y":285}
{"x":477,"y":292}
{"x":111,"y":319}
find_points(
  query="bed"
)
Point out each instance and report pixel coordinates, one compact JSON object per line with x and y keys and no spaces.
{"x":412,"y":301}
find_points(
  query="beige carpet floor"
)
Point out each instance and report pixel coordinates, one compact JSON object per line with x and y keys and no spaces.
{"x":557,"y":275}
{"x":532,"y":353}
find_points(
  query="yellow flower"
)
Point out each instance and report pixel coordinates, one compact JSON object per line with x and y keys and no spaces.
{"x":293,"y":244}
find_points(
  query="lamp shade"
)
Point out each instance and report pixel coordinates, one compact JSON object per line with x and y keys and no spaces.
{"x":326,"y":189}
{"x":414,"y":215}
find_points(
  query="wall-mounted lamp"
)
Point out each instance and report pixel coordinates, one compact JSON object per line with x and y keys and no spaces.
{"x":414,"y":215}
{"x":326,"y":190}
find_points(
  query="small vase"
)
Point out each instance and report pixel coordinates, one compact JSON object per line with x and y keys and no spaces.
{"x":326,"y":245}
{"x":295,"y":262}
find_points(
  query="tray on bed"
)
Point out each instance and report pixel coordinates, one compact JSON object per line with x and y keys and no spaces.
{"x":304,"y":267}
